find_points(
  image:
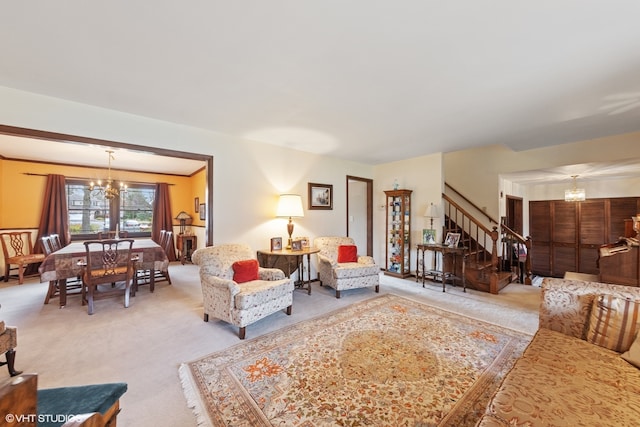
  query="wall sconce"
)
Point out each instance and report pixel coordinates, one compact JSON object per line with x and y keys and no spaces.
{"x":290,"y":205}
{"x":183,"y":217}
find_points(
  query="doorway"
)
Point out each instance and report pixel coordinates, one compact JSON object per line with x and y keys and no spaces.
{"x":360,"y":212}
{"x":514,"y":214}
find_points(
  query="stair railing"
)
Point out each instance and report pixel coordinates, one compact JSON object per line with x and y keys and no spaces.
{"x":480,"y":240}
{"x":516,"y":253}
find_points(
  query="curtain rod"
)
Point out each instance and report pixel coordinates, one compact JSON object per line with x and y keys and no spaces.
{"x":89,"y":179}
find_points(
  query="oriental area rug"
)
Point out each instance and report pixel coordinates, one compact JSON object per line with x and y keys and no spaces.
{"x":387,"y":361}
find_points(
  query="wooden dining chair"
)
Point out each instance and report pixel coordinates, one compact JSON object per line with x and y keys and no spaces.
{"x":144,"y":276}
{"x":18,"y":251}
{"x":108,"y":262}
{"x":112,"y":235}
{"x":73,"y":285}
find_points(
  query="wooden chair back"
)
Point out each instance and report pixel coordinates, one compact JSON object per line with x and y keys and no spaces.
{"x":112,"y":235}
{"x":47,"y":245}
{"x":18,"y":250}
{"x":108,"y":261}
{"x":55,"y":242}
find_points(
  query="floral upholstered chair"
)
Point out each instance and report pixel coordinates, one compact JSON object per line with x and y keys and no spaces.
{"x":236,"y":290}
{"x":341,"y":268}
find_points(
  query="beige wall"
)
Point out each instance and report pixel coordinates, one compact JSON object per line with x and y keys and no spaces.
{"x":248,"y":177}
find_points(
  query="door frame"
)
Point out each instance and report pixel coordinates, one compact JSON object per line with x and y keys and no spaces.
{"x":369,"y":191}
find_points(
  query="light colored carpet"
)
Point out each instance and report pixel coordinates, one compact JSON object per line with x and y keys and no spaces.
{"x":144,"y":344}
{"x":383,"y":361}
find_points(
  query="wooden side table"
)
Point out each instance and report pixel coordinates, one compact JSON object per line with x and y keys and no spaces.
{"x":439,"y":272}
{"x":294,"y":261}
{"x":187,"y":243}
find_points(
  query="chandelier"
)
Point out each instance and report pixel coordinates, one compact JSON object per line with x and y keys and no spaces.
{"x":575,"y":194}
{"x":109,"y":190}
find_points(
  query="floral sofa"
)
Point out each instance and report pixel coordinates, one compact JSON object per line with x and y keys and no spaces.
{"x":569,"y":375}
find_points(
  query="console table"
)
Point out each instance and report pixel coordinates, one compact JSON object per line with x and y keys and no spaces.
{"x":438,"y":270}
{"x":294,"y":261}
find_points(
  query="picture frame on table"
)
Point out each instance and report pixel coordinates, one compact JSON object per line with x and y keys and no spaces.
{"x":428,"y":236}
{"x":452,"y":239}
{"x":320,"y":196}
{"x":304,"y":240}
{"x":276,"y":244}
{"x":296,"y":245}
{"x":203,"y":211}
{"x":196,"y":203}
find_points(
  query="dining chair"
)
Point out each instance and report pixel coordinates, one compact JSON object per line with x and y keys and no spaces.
{"x":55,"y":242}
{"x":73,"y":285}
{"x":112,"y":235}
{"x":18,"y":251}
{"x":108,"y":262}
{"x":144,"y":276}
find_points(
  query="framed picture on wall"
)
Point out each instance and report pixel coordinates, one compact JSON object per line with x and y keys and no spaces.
{"x":197,"y":204}
{"x":203,"y":211}
{"x":320,"y":196}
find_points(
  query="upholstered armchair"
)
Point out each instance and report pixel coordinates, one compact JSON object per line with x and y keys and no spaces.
{"x":244,"y":303}
{"x":342,"y":268}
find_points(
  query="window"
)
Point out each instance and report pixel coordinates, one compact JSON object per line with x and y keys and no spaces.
{"x":90,"y":212}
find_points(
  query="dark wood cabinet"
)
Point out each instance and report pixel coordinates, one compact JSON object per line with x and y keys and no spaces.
{"x":621,"y":268}
{"x":566,"y":236}
{"x":187,"y":244}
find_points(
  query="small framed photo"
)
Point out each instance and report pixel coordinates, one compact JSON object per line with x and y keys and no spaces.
{"x":196,"y":203}
{"x":428,"y":236}
{"x":203,"y":211}
{"x":320,"y":196}
{"x":304,"y":240}
{"x":276,"y":243}
{"x":296,"y":245}
{"x":452,"y":240}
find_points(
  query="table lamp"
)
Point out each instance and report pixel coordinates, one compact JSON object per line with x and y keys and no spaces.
{"x":290,"y":205}
{"x":183,"y":217}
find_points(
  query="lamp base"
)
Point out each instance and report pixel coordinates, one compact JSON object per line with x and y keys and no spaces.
{"x":290,"y":231}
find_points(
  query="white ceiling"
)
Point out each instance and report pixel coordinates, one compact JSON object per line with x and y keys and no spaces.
{"x":368,"y":80}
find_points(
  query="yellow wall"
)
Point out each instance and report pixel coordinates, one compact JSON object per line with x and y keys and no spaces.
{"x":21,"y":195}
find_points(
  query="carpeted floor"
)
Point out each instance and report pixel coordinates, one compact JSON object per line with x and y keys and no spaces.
{"x":386,"y":361}
{"x":145,"y":344}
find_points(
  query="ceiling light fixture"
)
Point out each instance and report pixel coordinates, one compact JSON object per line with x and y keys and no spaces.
{"x":109,"y":190}
{"x":575,"y":194}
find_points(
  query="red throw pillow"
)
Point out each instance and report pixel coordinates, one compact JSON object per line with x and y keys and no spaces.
{"x":245,"y":271}
{"x":347,"y":253}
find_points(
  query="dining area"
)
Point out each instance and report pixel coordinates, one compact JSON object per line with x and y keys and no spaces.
{"x":103,"y":268}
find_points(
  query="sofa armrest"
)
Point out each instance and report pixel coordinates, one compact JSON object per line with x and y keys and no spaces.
{"x":208,"y":280}
{"x":365,"y":259}
{"x":326,"y":260}
{"x":270,"y":274}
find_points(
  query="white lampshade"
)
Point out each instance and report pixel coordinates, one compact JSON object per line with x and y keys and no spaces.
{"x":431,"y":211}
{"x":290,"y":205}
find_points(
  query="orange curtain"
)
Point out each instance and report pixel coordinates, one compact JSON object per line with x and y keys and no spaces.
{"x":162,"y":219}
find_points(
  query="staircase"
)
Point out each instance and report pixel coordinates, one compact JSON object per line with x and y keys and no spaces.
{"x":496,"y":256}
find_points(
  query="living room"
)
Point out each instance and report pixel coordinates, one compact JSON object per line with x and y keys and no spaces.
{"x":248,"y":174}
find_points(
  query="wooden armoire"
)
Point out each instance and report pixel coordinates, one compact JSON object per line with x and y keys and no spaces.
{"x":566,"y":236}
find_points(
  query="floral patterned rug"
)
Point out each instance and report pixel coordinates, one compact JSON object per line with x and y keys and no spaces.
{"x":387,"y":361}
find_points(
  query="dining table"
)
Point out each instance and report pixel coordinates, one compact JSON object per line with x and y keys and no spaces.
{"x":64,"y":263}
